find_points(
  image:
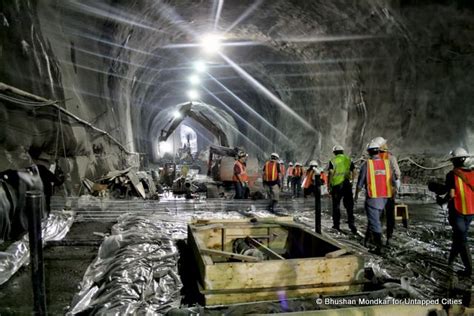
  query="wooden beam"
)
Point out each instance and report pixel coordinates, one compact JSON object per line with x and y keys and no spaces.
{"x":229,"y":255}
{"x":270,"y":253}
{"x":337,"y":253}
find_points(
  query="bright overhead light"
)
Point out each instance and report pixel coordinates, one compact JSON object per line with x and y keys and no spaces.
{"x":177,"y":114}
{"x":194,"y":79}
{"x":200,"y":66}
{"x":193,"y":94}
{"x":166,"y":147}
{"x":211,"y":43}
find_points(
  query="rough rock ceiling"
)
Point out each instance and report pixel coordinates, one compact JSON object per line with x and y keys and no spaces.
{"x":332,"y":72}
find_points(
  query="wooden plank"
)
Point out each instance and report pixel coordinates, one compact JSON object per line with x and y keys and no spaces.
{"x":241,"y":220}
{"x":209,"y":226}
{"x":336,"y":253}
{"x":198,"y":244}
{"x":229,"y":255}
{"x":270,"y":253}
{"x":235,"y":275}
{"x":226,"y":299}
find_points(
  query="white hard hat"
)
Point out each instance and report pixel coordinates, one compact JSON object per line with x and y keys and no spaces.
{"x":373,"y":145}
{"x":281,"y":161}
{"x":241,"y":154}
{"x":290,"y":164}
{"x":459,"y":153}
{"x":380,"y":141}
{"x":337,"y":148}
{"x":313,"y":163}
{"x":297,"y":164}
{"x":274,"y":156}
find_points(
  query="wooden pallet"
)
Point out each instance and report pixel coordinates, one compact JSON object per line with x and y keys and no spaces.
{"x":299,"y":262}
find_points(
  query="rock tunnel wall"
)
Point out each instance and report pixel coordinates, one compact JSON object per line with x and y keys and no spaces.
{"x":405,"y":72}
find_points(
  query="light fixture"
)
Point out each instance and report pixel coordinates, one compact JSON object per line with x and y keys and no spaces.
{"x":211,"y":43}
{"x":200,"y":66}
{"x":177,"y":114}
{"x":166,"y":147}
{"x":193,"y":94}
{"x":194,"y":79}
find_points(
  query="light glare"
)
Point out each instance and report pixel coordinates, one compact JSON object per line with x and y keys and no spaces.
{"x":211,"y":43}
{"x":194,"y":79}
{"x":200,"y":66}
{"x":193,"y":94}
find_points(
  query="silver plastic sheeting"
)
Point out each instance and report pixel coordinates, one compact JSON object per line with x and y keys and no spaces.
{"x":135,"y":271}
{"x":18,"y":254}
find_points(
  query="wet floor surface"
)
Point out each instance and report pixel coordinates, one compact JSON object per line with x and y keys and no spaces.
{"x":418,"y":255}
{"x":64,"y":269}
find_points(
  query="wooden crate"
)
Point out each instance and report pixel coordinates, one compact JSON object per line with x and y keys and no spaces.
{"x":310,"y":264}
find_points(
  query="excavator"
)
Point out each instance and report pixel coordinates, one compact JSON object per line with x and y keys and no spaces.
{"x":221,"y":158}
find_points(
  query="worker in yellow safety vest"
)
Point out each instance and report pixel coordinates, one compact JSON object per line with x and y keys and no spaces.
{"x":271,"y":180}
{"x":376,"y":175}
{"x":340,"y":177}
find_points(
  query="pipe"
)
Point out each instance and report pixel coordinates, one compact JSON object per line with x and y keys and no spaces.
{"x":5,"y":87}
{"x":317,"y":202}
{"x":34,"y":204}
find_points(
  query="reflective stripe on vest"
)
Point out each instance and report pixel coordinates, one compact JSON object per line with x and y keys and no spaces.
{"x":243,"y":173}
{"x":341,"y":165}
{"x":298,"y":171}
{"x":464,"y":196}
{"x":271,"y":171}
{"x":379,"y":178}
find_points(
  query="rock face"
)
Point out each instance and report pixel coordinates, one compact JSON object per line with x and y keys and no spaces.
{"x":300,"y":77}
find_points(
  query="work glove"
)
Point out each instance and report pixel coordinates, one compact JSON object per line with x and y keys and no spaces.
{"x":398,"y":184}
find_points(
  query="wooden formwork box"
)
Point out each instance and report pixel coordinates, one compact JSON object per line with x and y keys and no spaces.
{"x":314,"y":264}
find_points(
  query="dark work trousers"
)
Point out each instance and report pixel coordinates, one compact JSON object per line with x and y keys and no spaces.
{"x":460,"y":224}
{"x":239,"y":190}
{"x":296,"y":186}
{"x":342,"y":192}
{"x":390,"y":214}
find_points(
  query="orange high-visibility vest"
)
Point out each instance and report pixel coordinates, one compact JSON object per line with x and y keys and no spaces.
{"x":383,"y":154}
{"x":243,"y":172}
{"x":308,"y":180}
{"x":324,"y":177}
{"x":271,"y":171}
{"x":297,"y":171}
{"x":464,"y":196}
{"x":282,"y":170}
{"x":379,"y":178}
{"x":290,"y":171}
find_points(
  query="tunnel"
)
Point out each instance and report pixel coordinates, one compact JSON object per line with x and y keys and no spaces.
{"x":114,"y":92}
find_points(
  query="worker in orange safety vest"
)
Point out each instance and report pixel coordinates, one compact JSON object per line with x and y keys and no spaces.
{"x":308,"y":181}
{"x":240,"y":177}
{"x":271,"y":180}
{"x":376,"y":175}
{"x":296,"y":179}
{"x":459,"y":186}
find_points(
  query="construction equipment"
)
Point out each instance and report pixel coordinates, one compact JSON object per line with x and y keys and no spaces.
{"x":220,"y":169}
{"x":187,"y":110}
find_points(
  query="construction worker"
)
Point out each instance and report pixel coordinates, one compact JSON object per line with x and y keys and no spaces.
{"x":340,"y":177}
{"x":376,"y":175}
{"x":390,"y":207}
{"x":308,"y":182}
{"x":240,"y":177}
{"x":282,"y":174}
{"x":271,"y":180}
{"x":296,"y":179}
{"x":460,"y":188}
{"x":289,"y":175}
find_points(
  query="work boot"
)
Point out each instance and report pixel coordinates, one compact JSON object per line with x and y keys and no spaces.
{"x":368,"y":235}
{"x":378,"y":243}
{"x":353,"y":229}
{"x":466,"y":258}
